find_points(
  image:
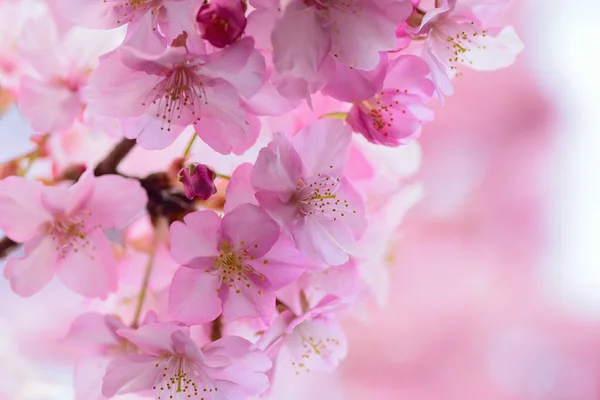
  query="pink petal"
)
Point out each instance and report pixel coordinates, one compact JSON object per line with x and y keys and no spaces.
{"x":151,"y":133}
{"x":184,"y":345}
{"x":131,"y":373}
{"x":193,"y":297}
{"x":360,"y":36}
{"x":278,"y":166}
{"x":88,"y":375}
{"x":21,"y":211}
{"x":364,"y":83}
{"x":324,"y":146}
{"x":154,"y":338}
{"x":197,"y":236}
{"x":224,"y":125}
{"x":255,"y":301}
{"x":323,"y":241}
{"x":260,"y":25}
{"x":92,"y":13}
{"x":282,"y":265}
{"x":49,"y":107}
{"x":295,"y":54}
{"x":240,"y":230}
{"x":284,"y":212}
{"x":115,"y":201}
{"x":181,"y":18}
{"x":239,"y":189}
{"x":332,"y":339}
{"x":89,"y":269}
{"x":92,"y":330}
{"x":117,"y":91}
{"x":240,"y":65}
{"x":28,"y":275}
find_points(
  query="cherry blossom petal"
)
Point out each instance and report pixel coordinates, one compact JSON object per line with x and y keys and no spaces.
{"x":154,"y":338}
{"x":278,"y":166}
{"x":131,"y":373}
{"x":323,"y":241}
{"x":197,"y":236}
{"x":28,"y":275}
{"x":21,"y":211}
{"x":282,"y":265}
{"x":360,"y":34}
{"x":224,"y":125}
{"x":92,"y":330}
{"x":89,"y":269}
{"x":324,"y":146}
{"x":239,"y":188}
{"x":254,"y":298}
{"x":193,"y":296}
{"x":240,"y":230}
{"x":299,"y":55}
{"x":88,"y":375}
{"x":318,"y":344}
{"x":115,"y":201}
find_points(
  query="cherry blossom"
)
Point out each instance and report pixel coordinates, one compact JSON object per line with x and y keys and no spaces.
{"x":314,"y":339}
{"x":301,"y":184}
{"x":172,"y":365}
{"x":157,"y":96}
{"x":396,"y":113}
{"x":51,"y":95}
{"x":352,"y":32}
{"x":62,"y":228}
{"x":460,"y":33}
{"x":229,"y":265}
{"x":221,"y":22}
{"x":147,"y":20}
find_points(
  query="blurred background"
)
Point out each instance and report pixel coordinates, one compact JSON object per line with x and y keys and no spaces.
{"x":495,"y":289}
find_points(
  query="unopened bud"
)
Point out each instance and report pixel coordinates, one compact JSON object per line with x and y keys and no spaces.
{"x":198,"y":181}
{"x":221,"y":22}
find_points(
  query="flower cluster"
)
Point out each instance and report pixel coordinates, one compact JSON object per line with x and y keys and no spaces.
{"x":243,"y":276}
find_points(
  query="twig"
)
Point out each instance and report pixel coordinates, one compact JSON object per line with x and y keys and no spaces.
{"x":144,"y":288}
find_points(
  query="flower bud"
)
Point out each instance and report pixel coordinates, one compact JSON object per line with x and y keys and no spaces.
{"x":198,"y":181}
{"x":221,"y":22}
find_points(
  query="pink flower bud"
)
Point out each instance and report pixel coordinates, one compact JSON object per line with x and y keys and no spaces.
{"x":198,"y":181}
{"x":221,"y":22}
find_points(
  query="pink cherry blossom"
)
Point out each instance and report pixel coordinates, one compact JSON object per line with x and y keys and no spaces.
{"x":314,"y":339}
{"x":229,"y":265}
{"x":396,"y":113}
{"x":50,"y":95}
{"x":172,"y":365}
{"x":157,"y":96}
{"x":147,"y":20}
{"x":309,"y":36}
{"x":62,"y":228}
{"x":301,"y":184}
{"x":97,"y":335}
{"x":460,"y":33}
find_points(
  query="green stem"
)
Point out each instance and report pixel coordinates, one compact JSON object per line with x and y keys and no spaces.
{"x":335,"y":115}
{"x":222,"y":176}
{"x":144,"y":288}
{"x":188,"y":148}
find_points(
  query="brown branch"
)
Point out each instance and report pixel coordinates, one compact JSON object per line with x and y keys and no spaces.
{"x":216,"y":329}
{"x":107,"y":166}
{"x":113,"y":159}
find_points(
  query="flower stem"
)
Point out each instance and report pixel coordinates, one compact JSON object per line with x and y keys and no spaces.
{"x":188,"y":148}
{"x":222,"y":176}
{"x":144,"y":288}
{"x":335,"y":115}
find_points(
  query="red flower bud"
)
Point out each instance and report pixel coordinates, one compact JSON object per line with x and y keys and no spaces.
{"x":198,"y":181}
{"x":221,"y":22}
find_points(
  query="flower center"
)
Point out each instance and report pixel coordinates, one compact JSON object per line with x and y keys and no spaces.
{"x":178,"y":95}
{"x":233,"y":268}
{"x":317,"y":196}
{"x":70,"y":233}
{"x":127,"y":10}
{"x":382,"y":110}
{"x":181,"y":379}
{"x":460,"y":41}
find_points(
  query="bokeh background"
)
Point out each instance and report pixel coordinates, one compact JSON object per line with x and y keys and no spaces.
{"x":495,"y":290}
